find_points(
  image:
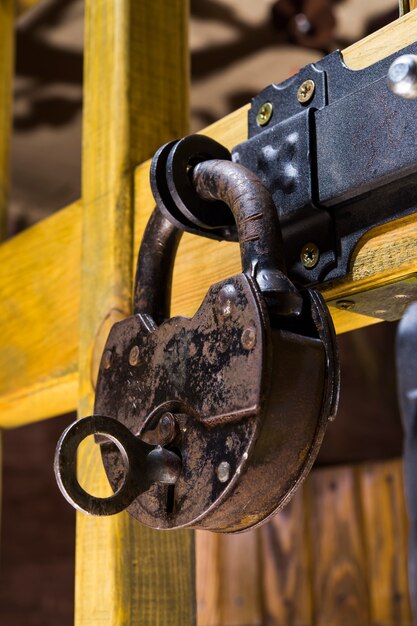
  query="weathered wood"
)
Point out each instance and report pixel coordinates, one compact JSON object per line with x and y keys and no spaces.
{"x":208,"y":580}
{"x":135,"y":97}
{"x":6,"y":73}
{"x":285,"y":562}
{"x":39,"y":319}
{"x":339,"y":572}
{"x":240,"y":574}
{"x":385,"y":525}
{"x":49,"y":374}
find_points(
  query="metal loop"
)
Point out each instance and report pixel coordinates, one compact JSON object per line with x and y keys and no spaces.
{"x":134,"y":460}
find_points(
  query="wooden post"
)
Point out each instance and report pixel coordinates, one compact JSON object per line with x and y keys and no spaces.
{"x":135,"y":98}
{"x":6,"y":74}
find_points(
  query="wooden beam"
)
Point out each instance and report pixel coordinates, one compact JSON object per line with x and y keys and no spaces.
{"x":39,"y":319}
{"x":41,"y":343}
{"x":6,"y":73}
{"x":135,"y":97}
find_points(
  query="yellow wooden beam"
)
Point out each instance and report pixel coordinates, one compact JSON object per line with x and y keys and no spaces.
{"x":6,"y":73}
{"x":39,"y":319}
{"x":39,"y":282}
{"x":135,"y":97}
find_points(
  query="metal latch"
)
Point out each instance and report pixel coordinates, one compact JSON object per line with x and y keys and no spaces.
{"x":337,"y":150}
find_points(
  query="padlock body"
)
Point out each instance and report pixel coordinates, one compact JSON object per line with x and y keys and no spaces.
{"x":249,"y":418}
{"x":210,"y":372}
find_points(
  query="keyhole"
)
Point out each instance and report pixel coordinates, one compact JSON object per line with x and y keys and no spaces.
{"x":170,"y":499}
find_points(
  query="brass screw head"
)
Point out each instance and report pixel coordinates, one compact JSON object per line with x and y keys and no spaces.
{"x":248,"y":338}
{"x":310,"y":255}
{"x":306,"y":91}
{"x":107,"y":359}
{"x":264,"y":114}
{"x":134,"y":356}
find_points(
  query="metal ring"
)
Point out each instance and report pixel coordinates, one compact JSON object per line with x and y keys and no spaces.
{"x":65,"y":465}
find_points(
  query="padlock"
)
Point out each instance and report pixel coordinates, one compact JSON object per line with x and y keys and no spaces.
{"x":211,"y":421}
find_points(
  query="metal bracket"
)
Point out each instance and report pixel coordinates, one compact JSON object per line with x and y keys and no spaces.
{"x":337,"y":149}
{"x":387,"y":302}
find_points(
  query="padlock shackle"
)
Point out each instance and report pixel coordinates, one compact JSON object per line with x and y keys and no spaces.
{"x":155,"y":266}
{"x":259,"y":238}
{"x":252,"y":206}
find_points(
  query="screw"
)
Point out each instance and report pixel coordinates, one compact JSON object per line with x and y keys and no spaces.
{"x":107,"y":359}
{"x":227,"y":300}
{"x":248,"y":338}
{"x":223,"y":471}
{"x":310,"y":255}
{"x":345,"y":305}
{"x":264,"y":114}
{"x":402,"y":76}
{"x":167,"y":429}
{"x":303,"y":24}
{"x":306,"y":91}
{"x":134,"y":356}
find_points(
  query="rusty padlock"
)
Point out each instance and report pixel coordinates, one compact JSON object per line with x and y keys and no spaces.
{"x":211,"y":421}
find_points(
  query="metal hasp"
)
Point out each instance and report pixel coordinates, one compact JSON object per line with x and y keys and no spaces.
{"x":229,"y":407}
{"x":337,"y":150}
{"x":407,"y":391}
{"x":338,"y":154}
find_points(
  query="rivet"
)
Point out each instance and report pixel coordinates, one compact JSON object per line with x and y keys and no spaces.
{"x":248,"y":338}
{"x":310,"y":255}
{"x":107,"y":359}
{"x":223,"y":471}
{"x":134,"y":356}
{"x":345,"y":305}
{"x":167,"y":428}
{"x":264,"y":113}
{"x":306,"y":91}
{"x":227,"y":300}
{"x":402,"y":76}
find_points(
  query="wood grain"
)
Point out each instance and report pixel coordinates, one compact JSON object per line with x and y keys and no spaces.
{"x":240,"y":574}
{"x":208,"y":578}
{"x":339,"y":569}
{"x":50,"y":375}
{"x":39,"y":319}
{"x":286,"y":575}
{"x":385,"y":526}
{"x":135,"y":96}
{"x":6,"y":73}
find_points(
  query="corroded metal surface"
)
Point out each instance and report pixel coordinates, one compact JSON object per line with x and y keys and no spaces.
{"x":238,"y":397}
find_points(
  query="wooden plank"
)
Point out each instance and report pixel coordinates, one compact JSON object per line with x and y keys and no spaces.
{"x":135,"y":97}
{"x":240,"y":574}
{"x":208,"y":581}
{"x":6,"y":73}
{"x":286,"y":578}
{"x":50,"y":375}
{"x":39,"y":319}
{"x":339,"y":570}
{"x":385,"y":523}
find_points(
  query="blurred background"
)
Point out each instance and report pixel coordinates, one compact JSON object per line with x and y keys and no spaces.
{"x":237,"y":48}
